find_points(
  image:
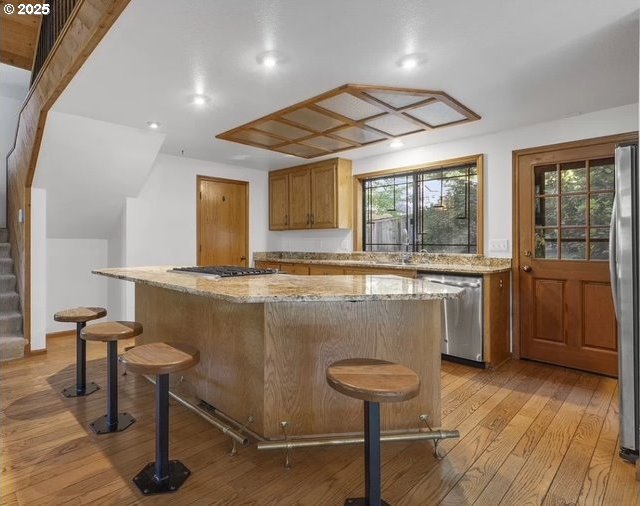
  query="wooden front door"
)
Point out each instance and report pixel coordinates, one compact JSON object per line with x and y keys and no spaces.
{"x":222,"y":222}
{"x":565,"y":308}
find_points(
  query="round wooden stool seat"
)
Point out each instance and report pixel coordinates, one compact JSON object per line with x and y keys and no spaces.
{"x":160,"y":358}
{"x":111,"y":331}
{"x":373,"y":380}
{"x":80,"y":314}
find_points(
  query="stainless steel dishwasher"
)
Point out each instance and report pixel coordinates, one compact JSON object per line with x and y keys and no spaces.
{"x":462,"y":333}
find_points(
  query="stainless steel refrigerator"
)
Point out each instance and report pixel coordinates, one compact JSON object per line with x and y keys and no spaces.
{"x":624,"y":261}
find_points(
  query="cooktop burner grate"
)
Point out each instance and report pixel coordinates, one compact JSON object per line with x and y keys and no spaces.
{"x":225,"y":271}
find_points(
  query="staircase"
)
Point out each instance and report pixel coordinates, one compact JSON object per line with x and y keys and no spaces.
{"x":11,"y":341}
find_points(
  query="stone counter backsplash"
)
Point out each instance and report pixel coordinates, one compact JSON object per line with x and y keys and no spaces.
{"x":407,"y":259}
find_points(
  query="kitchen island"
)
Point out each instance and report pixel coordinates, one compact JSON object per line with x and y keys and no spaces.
{"x":265,"y":342}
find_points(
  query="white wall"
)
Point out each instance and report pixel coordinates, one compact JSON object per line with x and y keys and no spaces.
{"x":69,"y":279}
{"x":116,"y":257}
{"x":498,"y":148}
{"x":160,"y":223}
{"x":38,"y":269}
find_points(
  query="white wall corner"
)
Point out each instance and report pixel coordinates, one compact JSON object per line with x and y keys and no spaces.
{"x":39,"y":315}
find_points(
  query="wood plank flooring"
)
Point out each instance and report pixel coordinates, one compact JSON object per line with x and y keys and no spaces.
{"x":530,"y":434}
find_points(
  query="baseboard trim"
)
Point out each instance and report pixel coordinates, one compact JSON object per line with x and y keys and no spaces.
{"x":36,"y":352}
{"x":61,"y":333}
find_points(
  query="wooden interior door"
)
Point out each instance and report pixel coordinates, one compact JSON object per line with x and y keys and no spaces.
{"x":222,"y":222}
{"x":324,"y":184}
{"x":279,"y":201}
{"x":565,"y":307}
{"x":299,"y":199}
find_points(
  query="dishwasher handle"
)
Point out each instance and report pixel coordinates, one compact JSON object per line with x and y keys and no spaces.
{"x":458,"y":284}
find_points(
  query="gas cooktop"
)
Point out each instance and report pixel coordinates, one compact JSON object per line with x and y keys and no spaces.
{"x":223,"y":271}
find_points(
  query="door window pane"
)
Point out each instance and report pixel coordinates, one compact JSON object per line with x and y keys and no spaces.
{"x":546,"y":243}
{"x":547,"y":212}
{"x":600,"y":207}
{"x":573,"y":244}
{"x":574,"y":210}
{"x":573,"y":177}
{"x":546,"y":179}
{"x":602,"y":175}
{"x":599,"y":244}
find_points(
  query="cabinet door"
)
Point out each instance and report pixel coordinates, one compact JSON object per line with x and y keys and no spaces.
{"x":279,"y":201}
{"x":267,"y":265}
{"x":325,"y":270}
{"x":324,"y":203}
{"x":299,"y":197}
{"x":497,"y":322}
{"x":297,"y":269}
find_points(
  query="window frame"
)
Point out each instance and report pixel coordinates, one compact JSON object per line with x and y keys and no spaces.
{"x":359,"y":179}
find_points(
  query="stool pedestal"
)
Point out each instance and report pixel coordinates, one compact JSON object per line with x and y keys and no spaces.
{"x":372,"y":488}
{"x":163,"y":475}
{"x":80,"y":389}
{"x":112,"y":421}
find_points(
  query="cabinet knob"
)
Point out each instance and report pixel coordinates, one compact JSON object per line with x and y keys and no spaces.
{"x":243,"y":258}
{"x":312,"y":219}
{"x":286,"y":219}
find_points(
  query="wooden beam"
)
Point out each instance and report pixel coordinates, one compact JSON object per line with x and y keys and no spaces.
{"x":89,"y":22}
{"x":18,"y":37}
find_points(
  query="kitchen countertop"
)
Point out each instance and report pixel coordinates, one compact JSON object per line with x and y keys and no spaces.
{"x":284,"y":287}
{"x":428,"y":262}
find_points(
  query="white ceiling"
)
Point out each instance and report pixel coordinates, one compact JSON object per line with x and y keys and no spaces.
{"x":88,"y":168}
{"x":514,"y":62}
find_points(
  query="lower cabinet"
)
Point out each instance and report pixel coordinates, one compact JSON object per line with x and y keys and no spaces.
{"x":496,"y":299}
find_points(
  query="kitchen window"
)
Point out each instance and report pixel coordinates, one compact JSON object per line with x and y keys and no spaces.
{"x":434,"y":208}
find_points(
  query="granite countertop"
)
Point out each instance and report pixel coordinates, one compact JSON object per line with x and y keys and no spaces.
{"x":284,"y":287}
{"x":428,"y":262}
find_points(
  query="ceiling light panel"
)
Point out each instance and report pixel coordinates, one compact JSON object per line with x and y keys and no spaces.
{"x":349,"y":117}
{"x":393,"y":125}
{"x":282,"y":129}
{"x":437,"y":114}
{"x":397,"y":100}
{"x":315,"y":120}
{"x":349,"y":106}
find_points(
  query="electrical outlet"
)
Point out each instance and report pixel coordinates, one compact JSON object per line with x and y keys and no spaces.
{"x":499,"y":245}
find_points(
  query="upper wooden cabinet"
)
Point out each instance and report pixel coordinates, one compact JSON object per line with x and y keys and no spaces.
{"x":317,"y":195}
{"x":279,"y":202}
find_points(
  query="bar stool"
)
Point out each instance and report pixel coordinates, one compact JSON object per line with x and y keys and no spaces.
{"x":80,"y":316}
{"x":373,"y":381}
{"x":110,"y":333}
{"x":160,"y":359}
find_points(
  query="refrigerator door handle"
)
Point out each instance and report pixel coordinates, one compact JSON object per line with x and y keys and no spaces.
{"x":613,"y":268}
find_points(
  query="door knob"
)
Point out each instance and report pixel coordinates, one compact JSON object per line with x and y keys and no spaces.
{"x":527,"y":268}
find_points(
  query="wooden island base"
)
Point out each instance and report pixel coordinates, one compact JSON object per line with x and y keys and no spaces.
{"x":268,"y":360}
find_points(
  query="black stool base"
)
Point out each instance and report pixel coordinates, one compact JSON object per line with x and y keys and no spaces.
{"x":73,"y":391}
{"x":101,"y":425}
{"x":145,"y":480}
{"x":361,"y":501}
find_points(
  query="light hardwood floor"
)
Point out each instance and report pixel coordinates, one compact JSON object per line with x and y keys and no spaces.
{"x":530,"y":434}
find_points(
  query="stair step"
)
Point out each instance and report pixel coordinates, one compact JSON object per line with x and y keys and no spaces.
{"x":7,"y":283}
{"x":12,"y":347}
{"x":9,"y":302}
{"x":5,"y":250}
{"x":4,"y":235}
{"x":11,"y":323}
{"x":6,"y":265}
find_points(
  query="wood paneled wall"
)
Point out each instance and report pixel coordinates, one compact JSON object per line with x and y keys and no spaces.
{"x":85,"y":28}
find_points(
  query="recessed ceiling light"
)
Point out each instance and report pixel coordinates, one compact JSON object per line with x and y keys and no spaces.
{"x":199,"y":99}
{"x":411,"y":61}
{"x":154,"y":125}
{"x":269,"y":59}
{"x":396,"y":143}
